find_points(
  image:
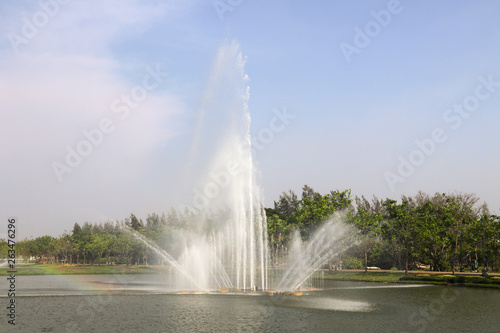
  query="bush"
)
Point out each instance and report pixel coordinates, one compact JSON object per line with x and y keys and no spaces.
{"x":353,"y":263}
{"x":457,"y":279}
{"x":422,"y":275}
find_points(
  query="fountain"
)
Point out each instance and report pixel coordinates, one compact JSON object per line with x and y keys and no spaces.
{"x":232,"y":254}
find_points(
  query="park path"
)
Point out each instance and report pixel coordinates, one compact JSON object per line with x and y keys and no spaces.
{"x":417,"y":272}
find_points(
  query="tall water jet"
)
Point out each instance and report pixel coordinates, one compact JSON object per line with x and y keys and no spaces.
{"x":223,"y":243}
{"x":231,"y":183}
{"x":232,"y":251}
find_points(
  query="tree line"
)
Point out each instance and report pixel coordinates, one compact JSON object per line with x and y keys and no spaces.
{"x":442,"y":231}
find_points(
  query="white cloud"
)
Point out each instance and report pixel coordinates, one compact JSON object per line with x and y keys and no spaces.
{"x":63,"y":82}
{"x":80,"y":27}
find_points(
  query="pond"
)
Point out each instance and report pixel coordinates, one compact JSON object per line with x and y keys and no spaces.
{"x":135,"y":303}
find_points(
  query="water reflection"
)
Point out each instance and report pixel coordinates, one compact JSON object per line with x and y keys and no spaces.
{"x":132,"y":303}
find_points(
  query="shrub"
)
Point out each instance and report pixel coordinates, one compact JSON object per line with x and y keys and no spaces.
{"x":353,"y":263}
{"x":422,"y":275}
{"x":467,"y":280}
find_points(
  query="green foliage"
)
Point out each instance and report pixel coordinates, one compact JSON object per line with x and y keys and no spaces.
{"x":305,"y":215}
{"x":452,"y":279}
{"x":3,"y":248}
{"x":135,"y":223}
{"x":352,"y":263}
{"x":441,"y":231}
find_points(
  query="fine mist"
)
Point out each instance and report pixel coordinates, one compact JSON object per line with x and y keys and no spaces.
{"x":221,"y":244}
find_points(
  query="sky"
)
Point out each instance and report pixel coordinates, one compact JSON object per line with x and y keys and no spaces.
{"x":100,"y":101}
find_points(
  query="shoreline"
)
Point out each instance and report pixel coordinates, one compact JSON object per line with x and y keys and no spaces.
{"x":417,"y":277}
{"x":464,"y":279}
{"x":58,"y":269}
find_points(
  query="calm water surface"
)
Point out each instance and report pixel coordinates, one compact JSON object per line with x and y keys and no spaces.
{"x":142,"y":303}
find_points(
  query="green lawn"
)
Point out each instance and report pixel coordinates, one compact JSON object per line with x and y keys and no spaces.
{"x":346,"y":275}
{"x":55,"y":269}
{"x":397,"y":277}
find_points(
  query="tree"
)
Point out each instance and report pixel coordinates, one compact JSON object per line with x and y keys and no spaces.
{"x":65,"y":246}
{"x":457,"y":216}
{"x":123,"y":247}
{"x":432,"y":235}
{"x":400,"y":229}
{"x":135,"y":223}
{"x":110,"y":247}
{"x":368,"y":223}
{"x":26,"y":248}
{"x":309,"y":194}
{"x":287,"y":204}
{"x":487,"y":233}
{"x":279,"y":234}
{"x":99,"y":244}
{"x":153,"y":222}
{"x":315,"y":208}
{"x":3,"y":248}
{"x":45,"y":247}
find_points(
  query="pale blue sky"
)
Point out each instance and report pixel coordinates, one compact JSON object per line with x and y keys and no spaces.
{"x":353,"y":122}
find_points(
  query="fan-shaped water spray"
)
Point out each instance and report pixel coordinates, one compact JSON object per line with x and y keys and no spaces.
{"x":232,"y":253}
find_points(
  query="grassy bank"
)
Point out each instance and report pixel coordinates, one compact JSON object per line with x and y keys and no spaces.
{"x":345,"y":275}
{"x":369,"y":276}
{"x":397,"y":277}
{"x":54,"y":269}
{"x":460,"y":280}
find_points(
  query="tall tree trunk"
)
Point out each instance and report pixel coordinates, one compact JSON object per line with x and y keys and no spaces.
{"x":406,"y":262}
{"x":455,"y":252}
{"x":366,"y":260}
